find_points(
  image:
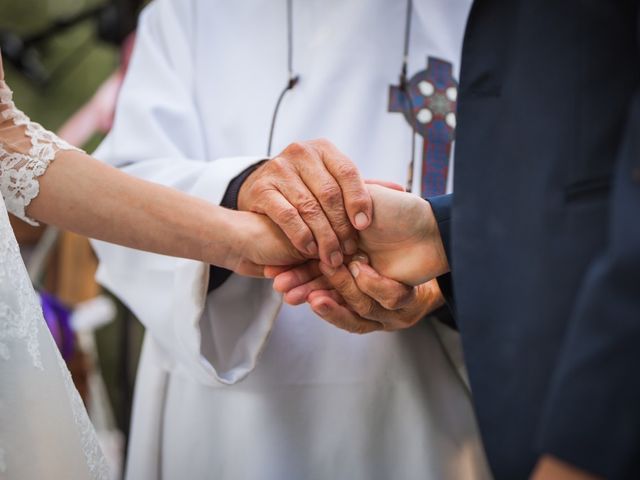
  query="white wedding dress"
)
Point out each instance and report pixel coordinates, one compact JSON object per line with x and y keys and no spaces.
{"x":45,"y":432}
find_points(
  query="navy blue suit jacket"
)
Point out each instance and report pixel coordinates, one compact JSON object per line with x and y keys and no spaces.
{"x":545,"y":231}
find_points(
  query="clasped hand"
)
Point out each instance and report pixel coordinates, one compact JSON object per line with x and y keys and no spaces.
{"x":369,"y":251}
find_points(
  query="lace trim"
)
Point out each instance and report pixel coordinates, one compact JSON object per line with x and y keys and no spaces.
{"x":19,"y":171}
{"x":96,"y":462}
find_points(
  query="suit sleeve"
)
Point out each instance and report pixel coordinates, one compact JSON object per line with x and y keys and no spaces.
{"x":592,"y":415}
{"x":158,"y":136}
{"x":441,"y":206}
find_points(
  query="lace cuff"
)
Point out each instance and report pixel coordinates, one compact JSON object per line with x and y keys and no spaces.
{"x":26,"y":150}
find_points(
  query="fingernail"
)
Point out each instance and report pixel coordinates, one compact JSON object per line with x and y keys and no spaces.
{"x":336,"y":259}
{"x":328,"y":270}
{"x":350,"y":246}
{"x":312,"y":248}
{"x":353,"y":268}
{"x":361,"y":220}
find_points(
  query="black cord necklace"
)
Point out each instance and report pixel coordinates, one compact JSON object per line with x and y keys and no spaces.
{"x":293,"y":78}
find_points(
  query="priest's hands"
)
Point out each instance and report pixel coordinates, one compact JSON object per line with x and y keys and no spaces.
{"x":402,"y":244}
{"x":316,"y":195}
{"x":403,"y":241}
{"x":357,"y":298}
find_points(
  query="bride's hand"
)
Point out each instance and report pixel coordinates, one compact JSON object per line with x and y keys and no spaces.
{"x":254,"y":241}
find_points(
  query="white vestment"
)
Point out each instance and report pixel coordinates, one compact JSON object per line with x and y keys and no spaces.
{"x":234,"y":385}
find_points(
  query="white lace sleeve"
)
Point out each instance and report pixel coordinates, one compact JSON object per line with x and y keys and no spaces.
{"x":26,"y":150}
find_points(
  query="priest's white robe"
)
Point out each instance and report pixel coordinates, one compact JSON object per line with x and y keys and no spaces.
{"x":234,"y":385}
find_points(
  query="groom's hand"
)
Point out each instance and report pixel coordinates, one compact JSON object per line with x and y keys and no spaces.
{"x":403,"y":241}
{"x":316,"y":195}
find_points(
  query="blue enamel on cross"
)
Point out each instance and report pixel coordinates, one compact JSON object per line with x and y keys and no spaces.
{"x":433,"y":94}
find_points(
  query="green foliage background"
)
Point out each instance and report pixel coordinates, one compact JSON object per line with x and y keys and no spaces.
{"x":81,"y":74}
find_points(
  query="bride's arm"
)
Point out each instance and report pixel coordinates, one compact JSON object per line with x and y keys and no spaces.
{"x":46,"y":179}
{"x":81,"y":194}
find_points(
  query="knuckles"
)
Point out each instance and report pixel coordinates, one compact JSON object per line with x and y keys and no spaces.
{"x":397,"y":301}
{"x":365,"y":309}
{"x":330,"y":194}
{"x":309,"y":208}
{"x":285,"y":215}
{"x":296,"y":151}
{"x":347,"y":171}
{"x":276,"y":166}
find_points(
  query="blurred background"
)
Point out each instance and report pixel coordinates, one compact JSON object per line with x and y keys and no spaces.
{"x":65,"y":60}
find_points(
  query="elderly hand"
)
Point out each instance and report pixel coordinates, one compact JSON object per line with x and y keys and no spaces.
{"x":357,"y":298}
{"x":316,"y":196}
{"x":402,"y":244}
